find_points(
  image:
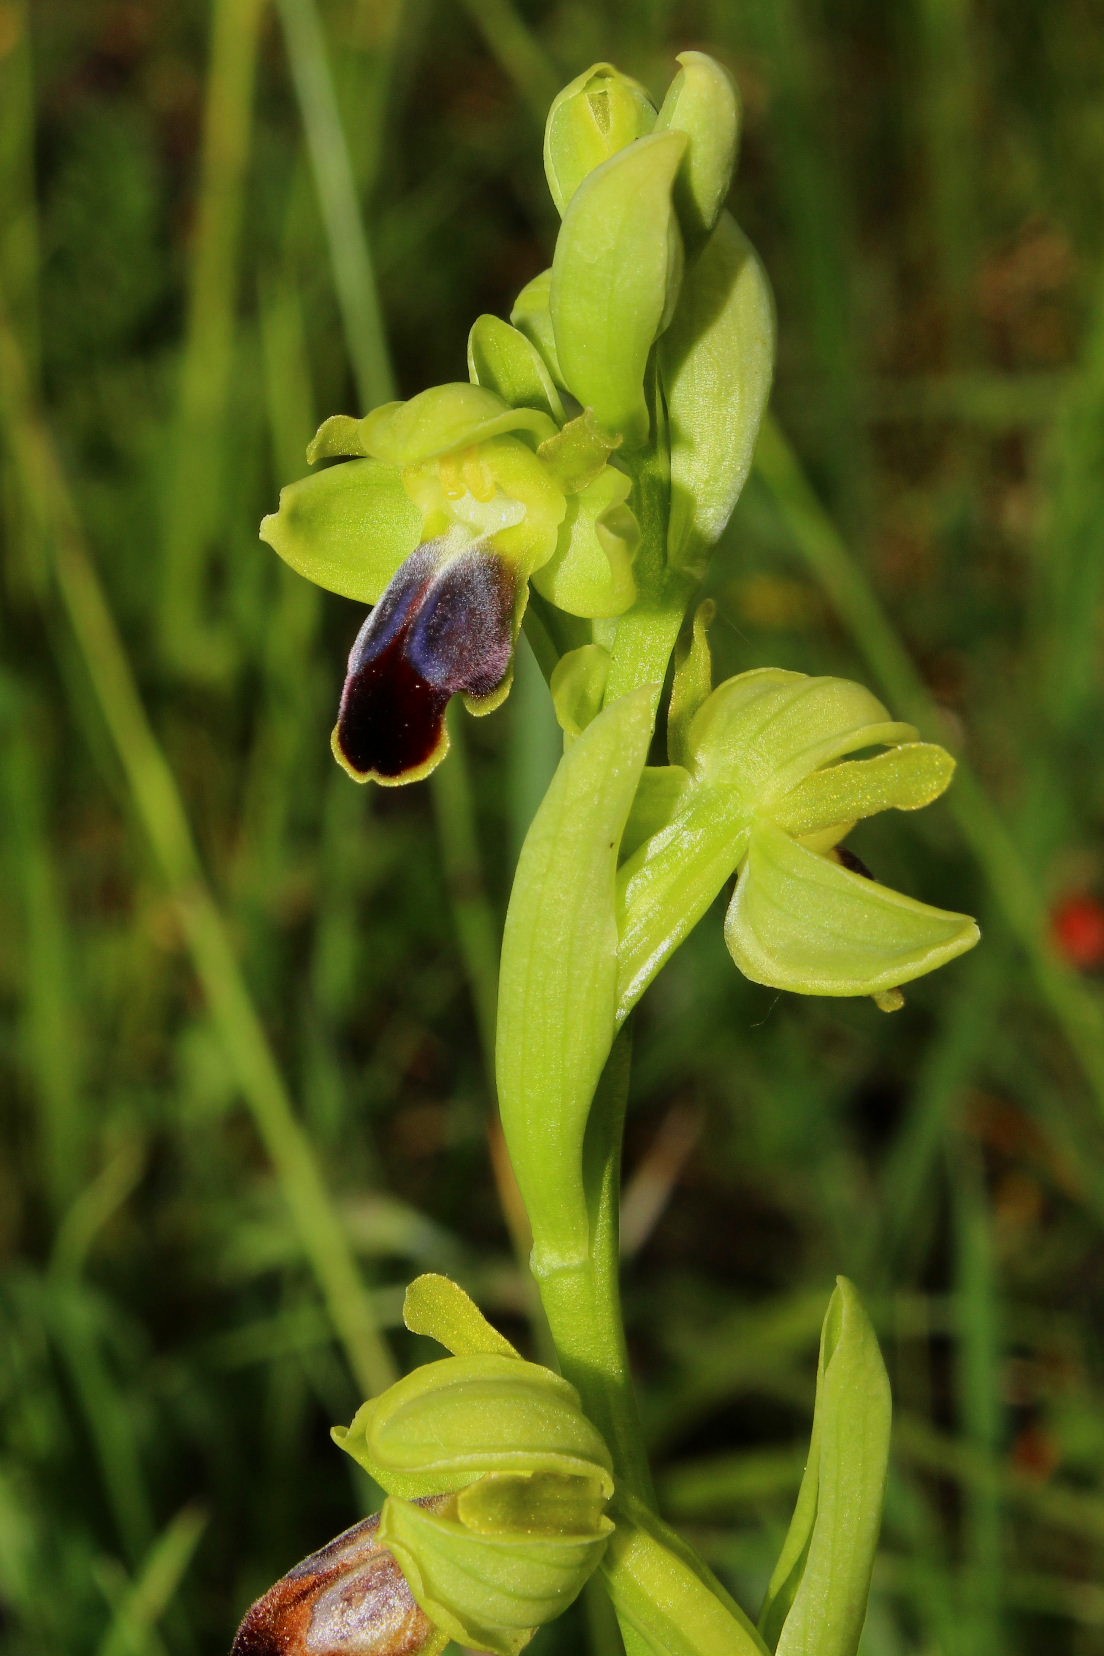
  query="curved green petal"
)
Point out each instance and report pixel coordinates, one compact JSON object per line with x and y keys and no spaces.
{"x":716,"y":361}
{"x":615,"y":273}
{"x":904,"y":779}
{"x":692,"y":682}
{"x":669,"y":881}
{"x":590,"y":572}
{"x":704,"y":102}
{"x":445,"y":417}
{"x":801,"y":921}
{"x":763,"y":732}
{"x":439,"y":1307}
{"x":347,"y":528}
{"x":503,"y":360}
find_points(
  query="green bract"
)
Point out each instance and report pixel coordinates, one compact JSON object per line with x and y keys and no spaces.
{"x":558,"y":994}
{"x":816,"y":1601}
{"x":615,"y":279}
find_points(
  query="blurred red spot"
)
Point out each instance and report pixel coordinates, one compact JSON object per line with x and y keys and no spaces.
{"x":1077,"y":925}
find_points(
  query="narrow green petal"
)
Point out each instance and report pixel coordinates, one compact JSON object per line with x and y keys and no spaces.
{"x":666,"y":885}
{"x":577,"y":455}
{"x":338,"y":438}
{"x":532,"y":316}
{"x":439,"y":1307}
{"x":904,"y":779}
{"x":802,"y":922}
{"x":503,"y":360}
{"x":347,"y":528}
{"x":590,"y":573}
{"x":692,"y":683}
{"x":443,"y":418}
{"x":716,"y":362}
{"x":614,"y":275}
{"x":659,"y":799}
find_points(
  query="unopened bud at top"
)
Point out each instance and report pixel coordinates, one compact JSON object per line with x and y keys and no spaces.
{"x":597,"y":114}
{"x":703,"y":102}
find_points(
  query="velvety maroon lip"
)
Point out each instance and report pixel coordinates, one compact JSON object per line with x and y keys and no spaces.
{"x":444,"y":625}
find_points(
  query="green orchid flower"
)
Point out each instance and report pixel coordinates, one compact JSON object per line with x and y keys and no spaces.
{"x":768,"y":789}
{"x":497,"y":1486}
{"x":441,"y":512}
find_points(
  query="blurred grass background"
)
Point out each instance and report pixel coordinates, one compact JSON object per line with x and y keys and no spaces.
{"x":245,"y":1006}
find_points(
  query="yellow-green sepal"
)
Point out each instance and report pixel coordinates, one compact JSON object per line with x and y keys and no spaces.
{"x":716,"y":361}
{"x":703,"y":102}
{"x":505,"y":1556}
{"x":615,"y":279}
{"x":450,"y":1422}
{"x":443,"y":418}
{"x":503,"y":360}
{"x":347,"y":528}
{"x":597,"y":114}
{"x":799,"y":920}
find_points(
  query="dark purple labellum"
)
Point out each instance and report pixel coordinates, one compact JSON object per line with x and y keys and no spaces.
{"x":347,"y":1599}
{"x":445,"y":624}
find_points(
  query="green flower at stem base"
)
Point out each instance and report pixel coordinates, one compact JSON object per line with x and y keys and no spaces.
{"x":497,"y":1486}
{"x":444,"y":509}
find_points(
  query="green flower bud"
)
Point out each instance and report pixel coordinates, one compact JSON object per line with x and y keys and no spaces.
{"x":497,"y":1482}
{"x":703,"y":102}
{"x":597,"y":114}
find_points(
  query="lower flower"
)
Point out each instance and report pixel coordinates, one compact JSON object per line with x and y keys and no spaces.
{"x":350,"y":1598}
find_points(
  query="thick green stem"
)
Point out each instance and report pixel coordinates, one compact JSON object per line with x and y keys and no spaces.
{"x":582,"y":1300}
